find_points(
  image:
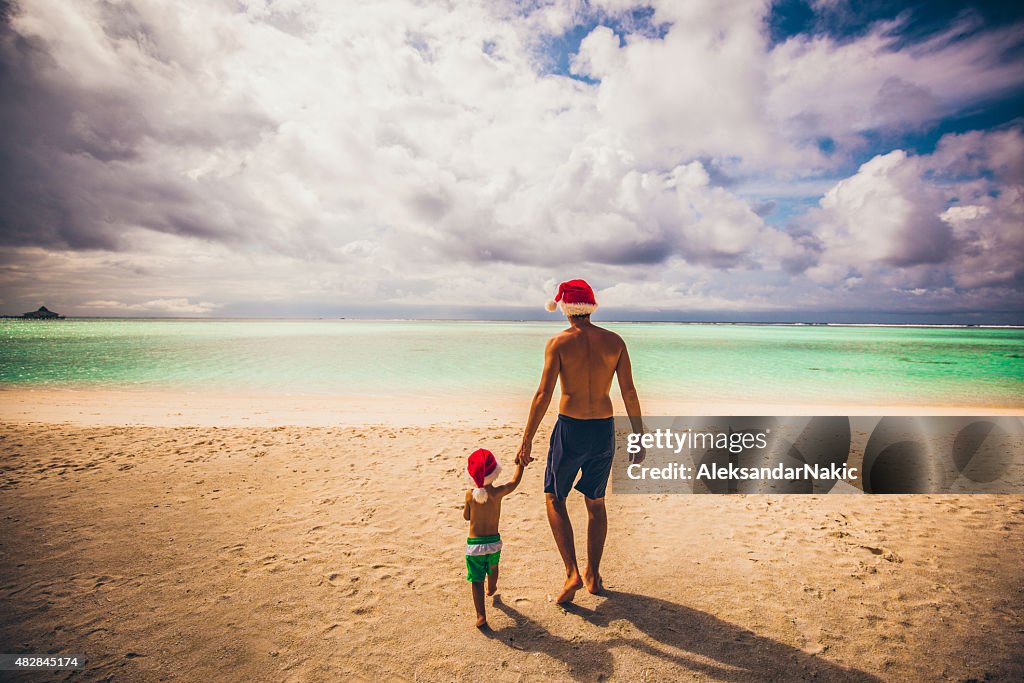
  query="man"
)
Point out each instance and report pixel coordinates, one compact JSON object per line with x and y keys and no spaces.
{"x":584,"y":358}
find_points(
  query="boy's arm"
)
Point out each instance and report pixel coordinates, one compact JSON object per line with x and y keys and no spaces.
{"x":465,"y":508}
{"x":517,"y":477}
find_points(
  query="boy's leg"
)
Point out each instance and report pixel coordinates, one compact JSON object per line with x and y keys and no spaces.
{"x":492,"y":580}
{"x":561,"y":529}
{"x":597,"y":531}
{"x":478,"y":602}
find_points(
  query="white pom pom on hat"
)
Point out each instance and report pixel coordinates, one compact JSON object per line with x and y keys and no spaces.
{"x":551,"y":305}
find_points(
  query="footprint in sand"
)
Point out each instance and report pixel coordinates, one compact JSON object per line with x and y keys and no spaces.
{"x":887,"y":554}
{"x":339,"y":581}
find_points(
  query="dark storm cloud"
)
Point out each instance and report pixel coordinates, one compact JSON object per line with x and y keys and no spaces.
{"x":34,"y":118}
{"x":72,"y":168}
{"x":631,"y":252}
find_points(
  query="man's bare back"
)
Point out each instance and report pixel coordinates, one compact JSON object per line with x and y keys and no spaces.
{"x":588,"y":356}
{"x":583,"y":358}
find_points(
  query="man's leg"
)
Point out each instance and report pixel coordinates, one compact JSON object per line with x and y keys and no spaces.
{"x":561,"y":529}
{"x":597,"y":531}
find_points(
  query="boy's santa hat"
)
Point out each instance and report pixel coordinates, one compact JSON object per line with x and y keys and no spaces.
{"x":576,"y":297}
{"x":483,"y":469}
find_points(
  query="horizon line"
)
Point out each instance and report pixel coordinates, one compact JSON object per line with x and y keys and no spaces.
{"x":787,"y":323}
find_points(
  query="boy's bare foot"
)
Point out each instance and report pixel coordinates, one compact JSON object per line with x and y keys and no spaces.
{"x":481,"y":621}
{"x":491,"y":590}
{"x":572,"y":584}
{"x":592,"y":581}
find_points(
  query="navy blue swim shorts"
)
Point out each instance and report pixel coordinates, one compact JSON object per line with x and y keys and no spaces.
{"x":580,"y":445}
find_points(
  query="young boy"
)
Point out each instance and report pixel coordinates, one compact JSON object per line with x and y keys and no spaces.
{"x":482,"y":509}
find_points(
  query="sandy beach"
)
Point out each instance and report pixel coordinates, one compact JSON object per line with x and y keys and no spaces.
{"x":307,"y":553}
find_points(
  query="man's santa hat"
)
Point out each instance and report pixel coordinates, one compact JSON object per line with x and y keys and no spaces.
{"x":483,"y":469}
{"x":576,"y":297}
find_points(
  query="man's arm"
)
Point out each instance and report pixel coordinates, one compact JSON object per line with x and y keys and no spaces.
{"x":624,"y":373}
{"x":465,"y":508}
{"x":541,"y":400}
{"x":517,"y":477}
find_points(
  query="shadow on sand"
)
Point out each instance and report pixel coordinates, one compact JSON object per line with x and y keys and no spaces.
{"x":679,"y":636}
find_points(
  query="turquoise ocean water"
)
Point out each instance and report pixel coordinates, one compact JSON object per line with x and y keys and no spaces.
{"x":686,"y":363}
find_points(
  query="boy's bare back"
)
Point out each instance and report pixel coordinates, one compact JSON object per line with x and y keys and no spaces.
{"x":483,"y":517}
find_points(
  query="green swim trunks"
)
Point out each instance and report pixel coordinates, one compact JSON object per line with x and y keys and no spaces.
{"x":482,"y":555}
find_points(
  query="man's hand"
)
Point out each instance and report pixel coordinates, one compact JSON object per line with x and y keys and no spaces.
{"x":523,"y":456}
{"x":637,"y":458}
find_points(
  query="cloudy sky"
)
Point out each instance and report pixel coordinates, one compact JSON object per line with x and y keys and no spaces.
{"x":816,"y":160}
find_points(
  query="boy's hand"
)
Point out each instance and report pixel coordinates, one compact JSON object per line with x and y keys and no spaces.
{"x":637,"y":458}
{"x":523,"y":457}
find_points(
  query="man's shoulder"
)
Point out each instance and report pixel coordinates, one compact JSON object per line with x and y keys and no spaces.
{"x":559,"y":338}
{"x":608,"y":334}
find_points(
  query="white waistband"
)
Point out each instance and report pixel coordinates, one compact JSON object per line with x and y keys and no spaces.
{"x":483,"y":548}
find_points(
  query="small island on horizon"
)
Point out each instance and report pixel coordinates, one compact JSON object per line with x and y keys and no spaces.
{"x":41,"y":313}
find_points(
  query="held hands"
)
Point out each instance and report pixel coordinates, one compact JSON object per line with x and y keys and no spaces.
{"x":523,"y":457}
{"x":637,"y":458}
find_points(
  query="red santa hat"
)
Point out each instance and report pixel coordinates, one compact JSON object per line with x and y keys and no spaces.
{"x":576,"y":297}
{"x":483,"y":469}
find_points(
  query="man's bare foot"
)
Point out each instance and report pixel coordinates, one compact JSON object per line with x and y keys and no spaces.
{"x":481,"y":621}
{"x":592,"y":581}
{"x":572,"y":584}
